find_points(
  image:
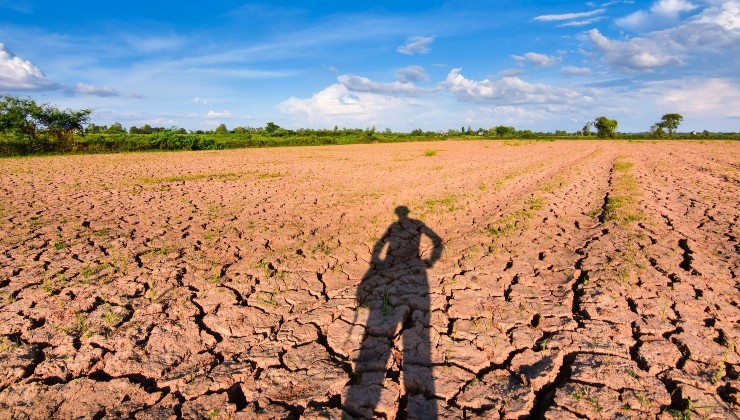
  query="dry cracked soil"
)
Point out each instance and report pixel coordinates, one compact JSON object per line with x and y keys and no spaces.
{"x":477,"y":279}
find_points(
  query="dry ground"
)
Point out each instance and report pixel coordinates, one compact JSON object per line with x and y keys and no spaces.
{"x":577,"y":279}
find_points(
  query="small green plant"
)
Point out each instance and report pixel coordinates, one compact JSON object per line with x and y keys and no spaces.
{"x":430,"y":152}
{"x":387,"y":310}
{"x":110,"y":317}
{"x":719,"y":372}
{"x":152,"y":290}
{"x":81,"y":322}
{"x":268,"y":298}
{"x":6,"y":345}
{"x":323,"y":247}
{"x":664,"y":309}
{"x":59,"y":245}
{"x":577,"y":395}
{"x":594,"y":403}
{"x":543,"y":344}
{"x":643,"y":399}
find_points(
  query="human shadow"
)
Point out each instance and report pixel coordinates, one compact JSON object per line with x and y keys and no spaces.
{"x":395,"y":289}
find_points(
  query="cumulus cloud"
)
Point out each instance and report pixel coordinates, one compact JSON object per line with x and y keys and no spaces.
{"x":573,"y":70}
{"x":416,"y":45}
{"x":412,"y":74}
{"x":215,"y":114}
{"x":726,"y":16}
{"x":539,"y":60}
{"x":711,"y":31}
{"x":363,"y":84}
{"x":512,"y":90}
{"x":338,"y":104}
{"x":707,"y":98}
{"x":660,"y":13}
{"x":636,"y":54}
{"x":85,"y":89}
{"x":569,"y":16}
{"x":18,"y":74}
{"x":672,"y":7}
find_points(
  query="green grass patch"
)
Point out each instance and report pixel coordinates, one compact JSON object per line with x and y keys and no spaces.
{"x":269,"y":175}
{"x":516,"y":220}
{"x":447,"y":203}
{"x":621,"y":202}
{"x":188,"y":177}
{"x":430,"y":152}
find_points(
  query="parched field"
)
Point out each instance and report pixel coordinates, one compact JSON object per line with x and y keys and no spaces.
{"x":557,"y":280}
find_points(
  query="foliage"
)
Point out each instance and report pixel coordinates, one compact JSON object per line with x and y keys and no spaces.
{"x":587,"y":129}
{"x":605,"y":128}
{"x":221,"y":129}
{"x":657,"y":130}
{"x":671,"y":122}
{"x":41,"y":127}
{"x":504,"y":131}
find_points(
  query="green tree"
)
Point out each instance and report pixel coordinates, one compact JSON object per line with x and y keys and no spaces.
{"x":605,"y":128}
{"x":271,"y":128}
{"x":504,"y":131}
{"x":115,"y":128}
{"x":657,"y":130}
{"x":43,"y":126}
{"x":221,"y":129}
{"x":671,"y":122}
{"x":146,"y":129}
{"x":587,"y":129}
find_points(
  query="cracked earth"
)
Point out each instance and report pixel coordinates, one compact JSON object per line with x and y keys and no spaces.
{"x":552,"y":280}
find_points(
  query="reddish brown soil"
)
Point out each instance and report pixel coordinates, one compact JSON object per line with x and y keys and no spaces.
{"x":225,"y":284}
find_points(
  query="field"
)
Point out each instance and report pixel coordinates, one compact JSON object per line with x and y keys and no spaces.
{"x":559,"y":279}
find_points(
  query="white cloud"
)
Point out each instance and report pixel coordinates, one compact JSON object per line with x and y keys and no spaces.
{"x":581,"y":22}
{"x":199,"y":100}
{"x":416,"y":45}
{"x":19,"y":74}
{"x":711,"y":32}
{"x":412,"y":74}
{"x":513,"y":90}
{"x":336,"y":104}
{"x":727,"y":16}
{"x":363,"y":84}
{"x":660,"y":13}
{"x":573,"y":70}
{"x":85,"y":89}
{"x":672,"y":7}
{"x":705,"y":98}
{"x":637,"y":54}
{"x":215,"y":114}
{"x":539,"y":60}
{"x":568,"y":16}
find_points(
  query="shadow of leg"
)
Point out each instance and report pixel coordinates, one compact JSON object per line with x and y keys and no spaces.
{"x":369,"y":388}
{"x":417,"y":369}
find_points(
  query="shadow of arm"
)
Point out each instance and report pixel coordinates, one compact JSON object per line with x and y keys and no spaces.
{"x":438,"y":245}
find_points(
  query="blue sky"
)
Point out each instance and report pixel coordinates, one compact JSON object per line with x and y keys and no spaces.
{"x":539,"y":65}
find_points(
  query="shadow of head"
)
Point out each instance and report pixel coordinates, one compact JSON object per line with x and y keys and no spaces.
{"x":402,"y":212}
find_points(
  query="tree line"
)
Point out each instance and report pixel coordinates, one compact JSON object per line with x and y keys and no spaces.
{"x":28,"y":127}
